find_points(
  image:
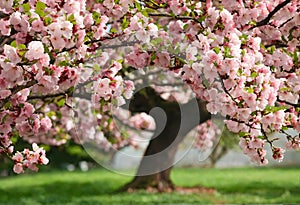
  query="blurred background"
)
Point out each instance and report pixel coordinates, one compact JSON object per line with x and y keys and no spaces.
{"x":225,"y":154}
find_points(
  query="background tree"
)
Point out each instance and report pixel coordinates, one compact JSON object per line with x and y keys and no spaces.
{"x":241,"y":58}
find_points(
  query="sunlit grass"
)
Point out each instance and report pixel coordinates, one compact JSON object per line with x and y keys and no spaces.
{"x":239,"y":185}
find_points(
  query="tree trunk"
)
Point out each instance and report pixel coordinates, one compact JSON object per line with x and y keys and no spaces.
{"x":171,"y":128}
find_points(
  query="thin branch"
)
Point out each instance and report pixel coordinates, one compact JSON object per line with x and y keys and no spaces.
{"x":3,"y":15}
{"x":172,"y":16}
{"x":271,"y":14}
{"x":277,"y":45}
{"x":17,"y":89}
{"x":43,"y":97}
{"x":168,"y":84}
{"x":288,"y":103}
{"x":131,"y":43}
{"x":286,"y":22}
{"x":226,"y":91}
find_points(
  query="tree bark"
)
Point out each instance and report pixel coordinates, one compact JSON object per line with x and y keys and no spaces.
{"x":171,"y":128}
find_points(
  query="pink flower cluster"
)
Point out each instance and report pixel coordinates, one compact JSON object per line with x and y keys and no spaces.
{"x":254,"y":148}
{"x":29,"y":159}
{"x":207,"y":135}
{"x":245,"y":68}
{"x":142,"y":121}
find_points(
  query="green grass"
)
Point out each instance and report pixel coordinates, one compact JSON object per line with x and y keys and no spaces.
{"x":234,"y":186}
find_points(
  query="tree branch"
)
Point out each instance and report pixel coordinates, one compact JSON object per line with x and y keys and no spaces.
{"x":172,"y":16}
{"x":271,"y":14}
{"x":3,"y":15}
{"x":17,"y":89}
{"x":288,"y":103}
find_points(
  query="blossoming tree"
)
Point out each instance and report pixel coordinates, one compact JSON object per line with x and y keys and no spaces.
{"x":240,"y":58}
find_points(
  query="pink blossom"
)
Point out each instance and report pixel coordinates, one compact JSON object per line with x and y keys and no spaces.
{"x":46,"y":123}
{"x":37,"y":25}
{"x":15,"y":18}
{"x":44,"y":160}
{"x":278,"y":153}
{"x":6,"y":4}
{"x":137,"y":59}
{"x":26,"y":111}
{"x":11,"y":73}
{"x":143,"y":35}
{"x":49,"y":82}
{"x":5,"y":128}
{"x":162,"y":59}
{"x":11,"y":53}
{"x":142,"y":121}
{"x":5,"y":140}
{"x":109,"y":4}
{"x":191,"y":52}
{"x":18,"y":157}
{"x":5,"y":27}
{"x":18,"y":168}
{"x":58,"y":42}
{"x":4,"y":93}
{"x":67,"y":29}
{"x":72,"y":6}
{"x":35,"y":50}
{"x":293,"y":144}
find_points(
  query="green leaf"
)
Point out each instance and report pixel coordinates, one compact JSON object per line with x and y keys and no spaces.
{"x":113,"y":30}
{"x":261,"y":137}
{"x":244,"y":134}
{"x":125,"y":23}
{"x":227,"y":52}
{"x":47,"y":20}
{"x":186,"y":26}
{"x":244,"y":36}
{"x":138,"y":6}
{"x":26,"y":7}
{"x":40,"y":5}
{"x":61,"y":102}
{"x":5,"y":116}
{"x":145,"y":12}
{"x":39,"y":8}
{"x":284,"y":128}
{"x":153,"y":56}
{"x":14,"y":44}
{"x":254,"y":74}
{"x":22,"y":47}
{"x":50,"y":114}
{"x":296,"y":58}
{"x":274,"y":108}
{"x":97,"y":17}
{"x":72,"y":19}
{"x":63,"y":63}
{"x":249,"y":89}
{"x":156,"y":41}
{"x":48,"y":71}
{"x":217,"y":50}
{"x":252,"y":23}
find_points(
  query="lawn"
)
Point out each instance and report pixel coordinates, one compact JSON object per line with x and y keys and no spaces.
{"x":234,"y":186}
